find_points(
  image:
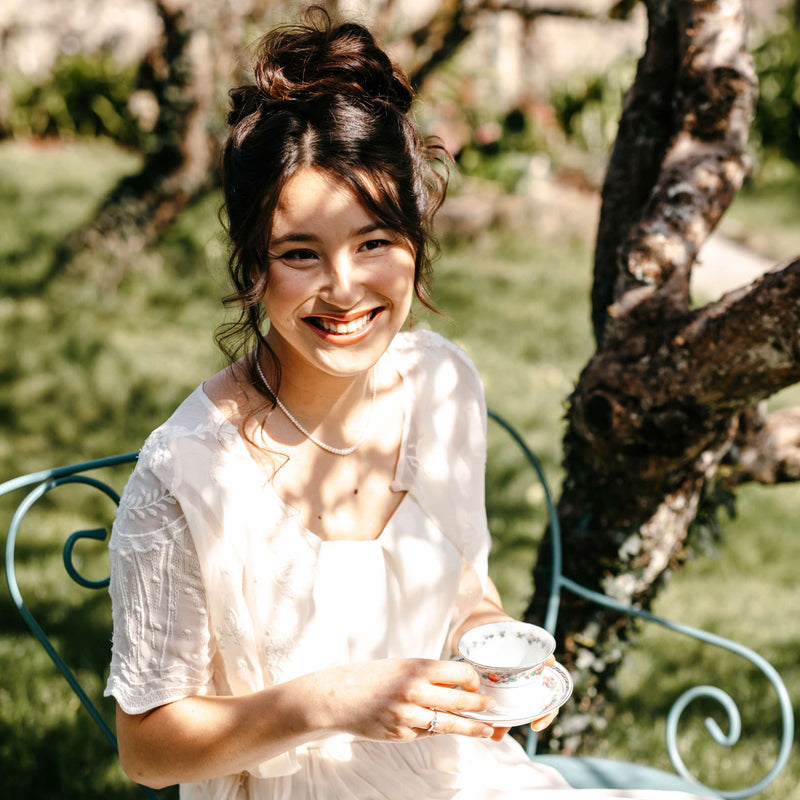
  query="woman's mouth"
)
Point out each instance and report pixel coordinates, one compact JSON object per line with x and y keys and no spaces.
{"x":328,"y":326}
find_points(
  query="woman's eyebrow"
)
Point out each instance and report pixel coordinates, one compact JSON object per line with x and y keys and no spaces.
{"x":373,"y":226}
{"x":294,"y":237}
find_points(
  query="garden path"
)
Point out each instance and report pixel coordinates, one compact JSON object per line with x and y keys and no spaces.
{"x":723,"y":265}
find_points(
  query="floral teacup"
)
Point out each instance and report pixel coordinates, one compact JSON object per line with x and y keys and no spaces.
{"x":509,"y":657}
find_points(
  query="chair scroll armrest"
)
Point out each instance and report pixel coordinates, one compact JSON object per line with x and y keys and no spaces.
{"x":712,"y":692}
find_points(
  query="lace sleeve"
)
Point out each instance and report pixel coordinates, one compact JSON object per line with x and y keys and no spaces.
{"x":161,"y":646}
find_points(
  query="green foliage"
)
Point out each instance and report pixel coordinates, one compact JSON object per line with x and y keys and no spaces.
{"x":764,"y":213}
{"x":504,"y":150}
{"x":748,"y":593}
{"x":84,"y":96}
{"x":776,"y":129}
{"x":588,"y":105}
{"x":85,"y":374}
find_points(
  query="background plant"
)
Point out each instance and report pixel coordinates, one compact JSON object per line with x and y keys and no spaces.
{"x":85,"y":96}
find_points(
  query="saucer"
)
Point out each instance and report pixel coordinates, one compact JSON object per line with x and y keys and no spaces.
{"x":553,"y":690}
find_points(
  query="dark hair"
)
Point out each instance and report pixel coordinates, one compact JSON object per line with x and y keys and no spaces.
{"x":326,"y":96}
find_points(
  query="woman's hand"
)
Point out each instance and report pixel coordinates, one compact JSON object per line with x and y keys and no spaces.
{"x":395,"y":699}
{"x":537,"y":725}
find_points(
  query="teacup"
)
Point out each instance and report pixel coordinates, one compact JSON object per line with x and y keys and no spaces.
{"x":509,"y":657}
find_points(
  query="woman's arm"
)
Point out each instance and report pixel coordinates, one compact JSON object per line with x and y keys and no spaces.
{"x":201,"y":737}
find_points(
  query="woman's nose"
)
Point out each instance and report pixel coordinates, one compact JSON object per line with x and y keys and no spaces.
{"x":341,"y":284}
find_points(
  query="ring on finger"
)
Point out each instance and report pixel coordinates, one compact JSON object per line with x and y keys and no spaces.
{"x":433,"y":725}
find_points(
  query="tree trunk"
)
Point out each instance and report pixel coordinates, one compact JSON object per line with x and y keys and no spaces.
{"x":177,"y":165}
{"x":658,"y":406}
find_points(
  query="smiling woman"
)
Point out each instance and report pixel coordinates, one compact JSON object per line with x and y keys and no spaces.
{"x":304,"y":542}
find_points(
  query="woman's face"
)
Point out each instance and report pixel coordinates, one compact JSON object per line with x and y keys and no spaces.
{"x":340,"y":284}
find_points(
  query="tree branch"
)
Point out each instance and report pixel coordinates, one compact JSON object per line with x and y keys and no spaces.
{"x":527,"y":12}
{"x":664,"y":409}
{"x":454,"y":21}
{"x":765,"y":450}
{"x":649,"y":261}
{"x":745,"y":346}
{"x":439,"y":38}
{"x":179,"y":73}
{"x":646,"y":128}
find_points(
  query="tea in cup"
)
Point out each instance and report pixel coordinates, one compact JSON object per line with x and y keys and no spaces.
{"x":509,"y":657}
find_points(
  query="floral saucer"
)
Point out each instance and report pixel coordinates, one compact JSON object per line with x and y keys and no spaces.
{"x":551,"y":691}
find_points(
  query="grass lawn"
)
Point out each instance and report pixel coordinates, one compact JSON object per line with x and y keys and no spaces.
{"x":88,"y":372}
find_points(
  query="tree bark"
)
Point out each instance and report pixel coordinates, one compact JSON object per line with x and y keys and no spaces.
{"x":766,"y":449}
{"x":659,"y":405}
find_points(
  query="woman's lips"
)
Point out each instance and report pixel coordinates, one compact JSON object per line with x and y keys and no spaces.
{"x":340,"y":330}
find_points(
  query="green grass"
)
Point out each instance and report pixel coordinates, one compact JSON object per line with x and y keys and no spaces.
{"x":87,"y":371}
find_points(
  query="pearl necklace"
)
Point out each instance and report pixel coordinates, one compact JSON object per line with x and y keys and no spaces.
{"x":337,"y":451}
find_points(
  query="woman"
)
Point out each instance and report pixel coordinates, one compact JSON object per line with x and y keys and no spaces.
{"x":304,"y":540}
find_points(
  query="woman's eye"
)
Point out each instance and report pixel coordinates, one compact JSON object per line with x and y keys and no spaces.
{"x":298,"y":255}
{"x":374,"y":244}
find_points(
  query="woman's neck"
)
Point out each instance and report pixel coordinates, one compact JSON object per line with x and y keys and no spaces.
{"x":337,"y":407}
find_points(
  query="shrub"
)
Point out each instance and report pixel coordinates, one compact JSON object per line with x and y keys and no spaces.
{"x":84,"y":96}
{"x":776,"y":129}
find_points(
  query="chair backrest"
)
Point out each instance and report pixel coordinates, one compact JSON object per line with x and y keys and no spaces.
{"x":561,"y":584}
{"x":39,"y":484}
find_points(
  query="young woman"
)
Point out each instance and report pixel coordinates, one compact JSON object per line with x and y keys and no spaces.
{"x":303,"y":542}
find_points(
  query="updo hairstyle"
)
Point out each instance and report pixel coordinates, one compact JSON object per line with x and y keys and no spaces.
{"x":323,"y":96}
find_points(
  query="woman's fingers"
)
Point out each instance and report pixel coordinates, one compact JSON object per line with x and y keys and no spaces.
{"x":499,"y":733}
{"x":394,"y":699}
{"x":541,"y":723}
{"x":453,"y":673}
{"x":447,"y":689}
{"x":455,"y":701}
{"x":435,"y":721}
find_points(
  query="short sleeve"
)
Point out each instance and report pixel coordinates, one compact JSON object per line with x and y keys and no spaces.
{"x":161,"y":645}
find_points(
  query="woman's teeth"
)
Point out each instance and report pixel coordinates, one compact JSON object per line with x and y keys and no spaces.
{"x":343,"y":327}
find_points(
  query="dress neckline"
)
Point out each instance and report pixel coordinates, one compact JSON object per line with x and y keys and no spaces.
{"x":292,"y":513}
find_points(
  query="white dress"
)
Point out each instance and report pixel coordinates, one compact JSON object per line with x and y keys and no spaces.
{"x":218,"y":589}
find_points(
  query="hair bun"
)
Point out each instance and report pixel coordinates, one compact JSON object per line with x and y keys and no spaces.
{"x":245,"y":100}
{"x":304,"y":62}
